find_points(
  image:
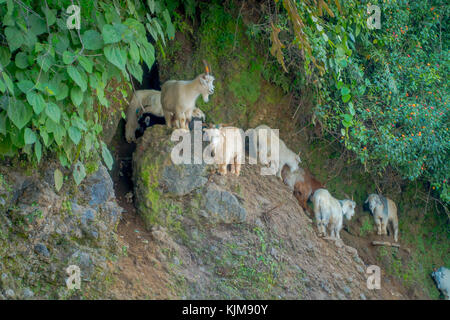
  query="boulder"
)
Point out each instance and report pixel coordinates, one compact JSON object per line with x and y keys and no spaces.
{"x":223,"y":205}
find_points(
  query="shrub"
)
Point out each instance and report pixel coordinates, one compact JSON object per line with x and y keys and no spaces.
{"x":382,"y":92}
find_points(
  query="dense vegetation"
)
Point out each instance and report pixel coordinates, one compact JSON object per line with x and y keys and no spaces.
{"x":54,"y":79}
{"x":382,"y":92}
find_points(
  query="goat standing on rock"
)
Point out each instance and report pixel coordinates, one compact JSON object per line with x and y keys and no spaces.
{"x":329,"y":210}
{"x":228,"y":148}
{"x":384,"y":211}
{"x":178,"y":98}
{"x":285,"y":155}
{"x":143,"y":101}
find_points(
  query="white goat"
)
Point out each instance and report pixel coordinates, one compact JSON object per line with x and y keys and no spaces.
{"x":284,"y":156}
{"x":178,"y":98}
{"x":384,"y":211}
{"x":228,"y":148}
{"x":329,"y":210}
{"x":142,"y":101}
{"x":198,"y":114}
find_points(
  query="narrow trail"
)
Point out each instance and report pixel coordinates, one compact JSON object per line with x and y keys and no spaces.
{"x":140,"y":275}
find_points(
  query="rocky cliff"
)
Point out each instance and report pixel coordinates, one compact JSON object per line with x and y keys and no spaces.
{"x":42,"y":232}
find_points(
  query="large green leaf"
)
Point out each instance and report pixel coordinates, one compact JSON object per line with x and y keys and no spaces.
{"x":6,"y":147}
{"x":116,"y":55}
{"x":62,"y":93}
{"x":30,"y":136}
{"x":59,"y":133}
{"x":169,"y":25}
{"x":68,"y":57}
{"x":5,"y":56}
{"x":346,"y":97}
{"x":86,"y":63}
{"x":49,"y":15}
{"x":79,"y":172}
{"x":38,"y":150}
{"x":14,"y":37}
{"x":19,"y":113}
{"x":107,"y":157}
{"x":76,"y":95}
{"x":76,"y":76}
{"x":61,"y":42}
{"x":37,"y":101}
{"x":21,"y":60}
{"x":8,"y":82}
{"x":53,"y":112}
{"x":36,"y":25}
{"x":25,"y":85}
{"x":74,"y":135}
{"x":135,"y":70}
{"x":45,"y":137}
{"x":148,"y":54}
{"x":58,"y":176}
{"x":2,"y":86}
{"x":2,"y":123}
{"x":345,"y":91}
{"x":92,"y":40}
{"x":134,"y":52}
{"x":110,"y":34}
{"x":45,"y":61}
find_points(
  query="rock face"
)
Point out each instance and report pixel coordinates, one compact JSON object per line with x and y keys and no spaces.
{"x":42,"y":232}
{"x":183,"y":179}
{"x":222,"y":237}
{"x":442,"y":278}
{"x":223,"y":205}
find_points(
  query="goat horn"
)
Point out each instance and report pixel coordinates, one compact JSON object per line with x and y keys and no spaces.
{"x":207,"y":69}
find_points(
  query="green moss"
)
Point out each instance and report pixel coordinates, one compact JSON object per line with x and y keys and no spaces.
{"x":150,"y":177}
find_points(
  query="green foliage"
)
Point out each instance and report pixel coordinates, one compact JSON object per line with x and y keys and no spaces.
{"x":53,"y":79}
{"x":383,"y":92}
{"x":367,"y":227}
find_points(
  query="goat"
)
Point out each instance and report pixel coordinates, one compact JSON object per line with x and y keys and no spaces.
{"x":178,"y":98}
{"x":142,"y":101}
{"x":384,"y":211}
{"x":303,"y":184}
{"x":442,"y":278}
{"x":284,"y":156}
{"x":329,"y":210}
{"x":148,"y":120}
{"x":228,"y":148}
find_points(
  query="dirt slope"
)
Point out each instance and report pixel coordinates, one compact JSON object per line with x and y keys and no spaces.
{"x":273,"y":253}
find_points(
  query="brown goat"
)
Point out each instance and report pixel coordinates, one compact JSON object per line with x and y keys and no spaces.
{"x":305,"y":185}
